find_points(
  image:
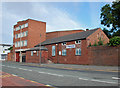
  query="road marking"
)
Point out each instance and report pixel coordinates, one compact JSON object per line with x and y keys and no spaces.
{"x":97,"y":80}
{"x":14,"y":75}
{"x":51,"y":74}
{"x":103,"y":81}
{"x":83,"y":79}
{"x":29,"y":70}
{"x":13,"y":67}
{"x":115,"y":78}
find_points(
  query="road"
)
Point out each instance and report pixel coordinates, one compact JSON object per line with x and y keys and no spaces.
{"x":61,"y":77}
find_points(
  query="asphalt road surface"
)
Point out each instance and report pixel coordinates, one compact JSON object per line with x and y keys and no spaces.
{"x":58,"y":77}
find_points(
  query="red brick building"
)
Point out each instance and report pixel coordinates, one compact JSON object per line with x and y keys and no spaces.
{"x":68,"y":47}
{"x":72,"y":49}
{"x":27,"y":35}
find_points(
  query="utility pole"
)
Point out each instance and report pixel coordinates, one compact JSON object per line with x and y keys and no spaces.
{"x":20,"y":45}
{"x":40,"y":49}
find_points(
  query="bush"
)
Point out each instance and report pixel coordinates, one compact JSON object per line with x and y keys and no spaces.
{"x":95,"y":44}
{"x":115,"y":41}
{"x":100,"y":42}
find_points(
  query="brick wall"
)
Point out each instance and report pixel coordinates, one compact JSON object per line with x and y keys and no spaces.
{"x":70,"y":58}
{"x":35,"y":58}
{"x":50,"y":35}
{"x":104,"y":55}
{"x":96,"y":36}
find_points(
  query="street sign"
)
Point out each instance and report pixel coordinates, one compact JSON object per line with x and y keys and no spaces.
{"x":70,"y":46}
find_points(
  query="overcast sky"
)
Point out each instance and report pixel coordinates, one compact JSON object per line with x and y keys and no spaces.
{"x":57,"y":15}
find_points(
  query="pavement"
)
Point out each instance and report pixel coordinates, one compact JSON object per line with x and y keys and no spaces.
{"x":13,"y":80}
{"x":76,"y":67}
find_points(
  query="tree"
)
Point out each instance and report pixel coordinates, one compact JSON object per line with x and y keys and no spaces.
{"x":110,"y":15}
{"x":117,"y":33}
{"x":107,"y":32}
{"x":115,"y":41}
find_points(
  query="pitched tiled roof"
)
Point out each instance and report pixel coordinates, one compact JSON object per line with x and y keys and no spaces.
{"x":71,"y":37}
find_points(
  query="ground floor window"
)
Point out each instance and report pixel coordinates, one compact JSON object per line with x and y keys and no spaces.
{"x":78,"y":51}
{"x":64,"y":52}
{"x":31,"y":53}
{"x":53,"y":50}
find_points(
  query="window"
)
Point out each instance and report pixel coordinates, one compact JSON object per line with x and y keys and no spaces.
{"x":78,"y":51}
{"x":17,"y":28}
{"x":53,"y":50}
{"x":21,"y":34}
{"x":25,"y":33}
{"x":16,"y":36}
{"x":37,"y":53}
{"x":25,"y":43}
{"x":26,"y":25}
{"x":22,"y":43}
{"x":18,"y":44}
{"x":22,"y":26}
{"x":64,"y":52}
{"x":15,"y":44}
{"x":64,"y":43}
{"x":77,"y":41}
{"x":31,"y":53}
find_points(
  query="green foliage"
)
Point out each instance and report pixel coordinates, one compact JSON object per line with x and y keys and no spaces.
{"x":95,"y":44}
{"x":110,"y":15}
{"x":115,"y":41}
{"x":117,"y":33}
{"x":107,"y":32}
{"x":100,"y":42}
{"x":90,"y":44}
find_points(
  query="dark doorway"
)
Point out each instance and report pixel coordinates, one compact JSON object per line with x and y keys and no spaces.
{"x":23,"y":58}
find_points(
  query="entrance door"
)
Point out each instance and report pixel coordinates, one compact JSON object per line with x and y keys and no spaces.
{"x":23,"y":58}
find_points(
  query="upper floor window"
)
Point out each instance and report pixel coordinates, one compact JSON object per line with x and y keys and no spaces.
{"x":16,"y":36}
{"x":16,"y":44}
{"x":77,"y":41}
{"x":64,"y":52}
{"x":53,"y":50}
{"x":25,"y":43}
{"x":26,"y":25}
{"x":25,"y":33}
{"x":64,"y":43}
{"x":22,"y":26}
{"x":78,"y":51}
{"x":22,"y":43}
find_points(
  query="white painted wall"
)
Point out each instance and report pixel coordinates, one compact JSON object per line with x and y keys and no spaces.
{"x":3,"y":49}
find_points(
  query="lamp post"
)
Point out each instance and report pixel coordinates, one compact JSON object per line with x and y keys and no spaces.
{"x":20,"y":45}
{"x":40,"y":49}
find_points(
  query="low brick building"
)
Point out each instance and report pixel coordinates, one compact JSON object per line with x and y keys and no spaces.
{"x":72,"y":49}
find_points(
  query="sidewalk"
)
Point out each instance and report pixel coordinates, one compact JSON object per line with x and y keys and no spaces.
{"x":77,"y":67}
{"x":13,"y":80}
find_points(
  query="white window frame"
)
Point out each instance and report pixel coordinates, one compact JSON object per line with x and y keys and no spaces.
{"x":78,"y":50}
{"x":26,"y":25}
{"x":64,"y":52}
{"x":25,"y":43}
{"x":53,"y":50}
{"x":31,"y":53}
{"x":22,"y":26}
{"x":79,"y":42}
{"x":16,"y":44}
